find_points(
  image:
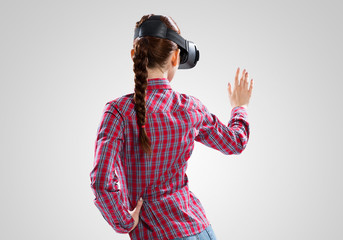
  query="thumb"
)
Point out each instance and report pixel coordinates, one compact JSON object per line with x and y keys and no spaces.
{"x":229,"y":86}
{"x":139,"y":204}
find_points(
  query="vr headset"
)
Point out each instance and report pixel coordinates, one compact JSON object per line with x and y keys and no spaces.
{"x":189,"y":55}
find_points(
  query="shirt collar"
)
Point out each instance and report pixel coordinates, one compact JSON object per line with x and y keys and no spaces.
{"x":158,"y":83}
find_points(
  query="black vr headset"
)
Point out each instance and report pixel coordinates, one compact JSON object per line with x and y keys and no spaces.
{"x":153,"y":26}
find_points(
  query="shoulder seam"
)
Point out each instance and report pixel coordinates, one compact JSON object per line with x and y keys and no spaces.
{"x":112,"y":105}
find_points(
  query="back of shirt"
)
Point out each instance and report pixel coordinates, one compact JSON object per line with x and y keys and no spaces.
{"x":174,"y":121}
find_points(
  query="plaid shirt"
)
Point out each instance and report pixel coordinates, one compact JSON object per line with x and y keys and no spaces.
{"x":122,"y":172}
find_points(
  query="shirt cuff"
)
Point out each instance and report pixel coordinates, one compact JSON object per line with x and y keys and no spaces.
{"x":126,"y":228}
{"x":238,"y":108}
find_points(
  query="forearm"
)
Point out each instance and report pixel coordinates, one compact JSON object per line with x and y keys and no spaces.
{"x":113,"y":210}
{"x":240,"y":125}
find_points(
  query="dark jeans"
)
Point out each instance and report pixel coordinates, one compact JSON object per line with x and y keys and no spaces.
{"x":206,"y":234}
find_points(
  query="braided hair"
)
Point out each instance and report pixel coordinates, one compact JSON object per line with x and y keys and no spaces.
{"x":150,"y":52}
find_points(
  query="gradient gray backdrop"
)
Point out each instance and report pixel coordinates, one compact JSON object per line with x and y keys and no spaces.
{"x":61,"y":61}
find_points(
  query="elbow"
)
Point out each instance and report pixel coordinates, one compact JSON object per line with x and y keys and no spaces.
{"x":232,"y":151}
{"x":241,"y":150}
{"x":93,"y":181}
{"x":242,"y":146}
{"x":98,"y":193}
{"x":95,"y":185}
{"x":99,"y":188}
{"x":235,"y":149}
{"x":241,"y":143}
{"x":95,"y":188}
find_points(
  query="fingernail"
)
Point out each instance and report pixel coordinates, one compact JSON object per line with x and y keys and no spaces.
{"x":141,"y":199}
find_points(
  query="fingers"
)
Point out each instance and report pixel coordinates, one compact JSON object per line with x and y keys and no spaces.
{"x":236,"y":77}
{"x":135,"y":213}
{"x":251,"y":86}
{"x":245,"y":82}
{"x":139,"y":204}
{"x":242,"y":78}
{"x":242,"y":82}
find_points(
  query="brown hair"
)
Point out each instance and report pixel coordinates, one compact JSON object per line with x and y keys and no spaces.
{"x":150,"y":52}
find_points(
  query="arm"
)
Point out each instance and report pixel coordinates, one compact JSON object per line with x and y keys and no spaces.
{"x":230,"y":139}
{"x":104,"y":182}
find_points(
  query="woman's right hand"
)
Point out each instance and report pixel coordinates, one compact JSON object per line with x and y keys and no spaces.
{"x":240,"y":96}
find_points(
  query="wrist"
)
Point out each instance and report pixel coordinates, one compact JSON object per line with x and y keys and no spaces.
{"x":244,"y":105}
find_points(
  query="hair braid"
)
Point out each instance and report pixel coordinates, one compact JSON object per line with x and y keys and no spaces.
{"x":150,"y":52}
{"x":140,"y":60}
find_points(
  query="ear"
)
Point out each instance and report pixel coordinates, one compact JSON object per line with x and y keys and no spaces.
{"x":175,"y":57}
{"x":132,"y":53}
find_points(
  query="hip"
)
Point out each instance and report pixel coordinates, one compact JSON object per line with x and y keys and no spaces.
{"x":206,"y":234}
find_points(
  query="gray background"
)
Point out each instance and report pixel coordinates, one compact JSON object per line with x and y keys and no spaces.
{"x":61,"y":61}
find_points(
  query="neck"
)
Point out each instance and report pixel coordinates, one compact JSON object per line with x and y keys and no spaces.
{"x":157,"y":73}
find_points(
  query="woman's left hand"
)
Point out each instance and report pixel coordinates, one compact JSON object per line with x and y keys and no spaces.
{"x":135,"y":213}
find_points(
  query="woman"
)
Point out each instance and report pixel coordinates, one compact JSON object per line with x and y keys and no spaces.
{"x":145,"y":139}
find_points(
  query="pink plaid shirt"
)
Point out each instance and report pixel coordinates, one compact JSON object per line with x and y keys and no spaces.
{"x":173,"y":122}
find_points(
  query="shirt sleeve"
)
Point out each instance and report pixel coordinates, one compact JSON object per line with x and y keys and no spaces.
{"x":228,"y":139}
{"x":104,"y":182}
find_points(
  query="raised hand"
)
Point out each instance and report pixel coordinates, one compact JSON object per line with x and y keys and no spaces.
{"x":240,"y":96}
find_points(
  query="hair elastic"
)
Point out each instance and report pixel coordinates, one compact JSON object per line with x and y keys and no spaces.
{"x":143,"y":126}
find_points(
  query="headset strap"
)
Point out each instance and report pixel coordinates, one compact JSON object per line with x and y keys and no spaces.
{"x":156,"y":28}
